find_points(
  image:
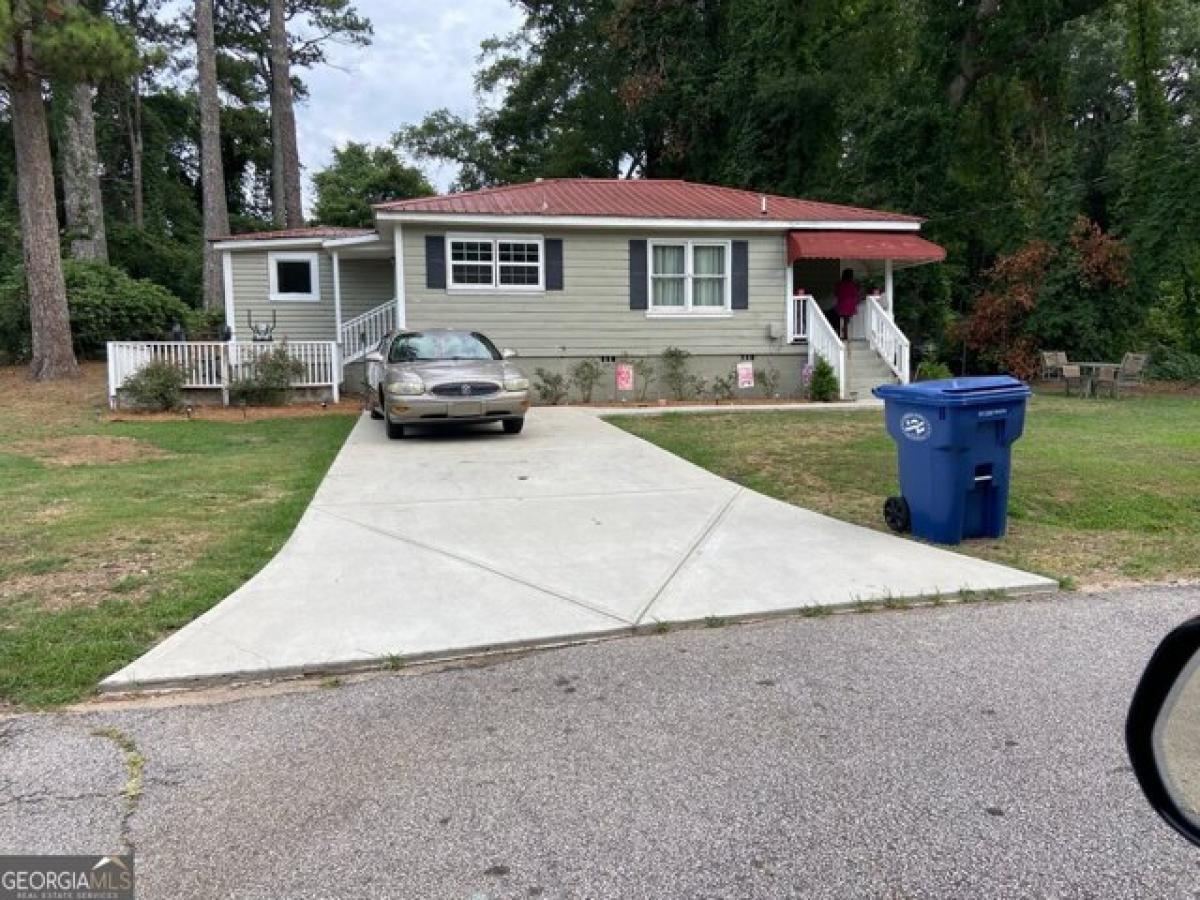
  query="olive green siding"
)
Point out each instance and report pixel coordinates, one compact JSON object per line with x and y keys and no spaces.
{"x":591,"y":315}
{"x":365,"y":283}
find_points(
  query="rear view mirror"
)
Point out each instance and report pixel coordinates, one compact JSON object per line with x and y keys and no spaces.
{"x":374,"y":357}
{"x":1162,"y":732}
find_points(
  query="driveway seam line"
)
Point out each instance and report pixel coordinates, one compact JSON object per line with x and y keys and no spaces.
{"x":479,"y":564}
{"x":691,"y":550}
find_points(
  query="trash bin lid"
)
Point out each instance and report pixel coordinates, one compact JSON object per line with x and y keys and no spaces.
{"x":956,"y":391}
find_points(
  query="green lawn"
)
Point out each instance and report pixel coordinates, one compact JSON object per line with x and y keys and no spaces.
{"x":116,"y":533}
{"x":1103,"y":491}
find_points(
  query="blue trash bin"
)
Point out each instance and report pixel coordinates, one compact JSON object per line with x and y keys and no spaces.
{"x":954,"y":440}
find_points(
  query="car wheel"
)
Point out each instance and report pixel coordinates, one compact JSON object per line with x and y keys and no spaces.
{"x":897,"y":515}
{"x":394,"y":430}
{"x":513,"y":426}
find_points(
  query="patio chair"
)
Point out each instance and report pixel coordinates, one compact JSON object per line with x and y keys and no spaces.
{"x":1133,"y":370}
{"x":1052,"y":363}
{"x":1072,"y":375}
{"x":1106,"y":380}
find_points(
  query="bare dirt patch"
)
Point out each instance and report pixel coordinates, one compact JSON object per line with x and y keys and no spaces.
{"x":88,"y":449}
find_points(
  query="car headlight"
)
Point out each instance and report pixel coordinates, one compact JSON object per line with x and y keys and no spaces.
{"x":406,"y":387}
{"x":516,"y":383}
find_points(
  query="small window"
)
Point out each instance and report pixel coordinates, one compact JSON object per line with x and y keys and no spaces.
{"x":294,"y":277}
{"x":478,"y":262}
{"x":689,"y":277}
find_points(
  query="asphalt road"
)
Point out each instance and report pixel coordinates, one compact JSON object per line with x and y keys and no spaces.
{"x":961,"y":751}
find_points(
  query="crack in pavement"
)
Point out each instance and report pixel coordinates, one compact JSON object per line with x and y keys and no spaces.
{"x":135,"y":762}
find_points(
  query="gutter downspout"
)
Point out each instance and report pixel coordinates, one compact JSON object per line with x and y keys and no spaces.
{"x":398,"y":249}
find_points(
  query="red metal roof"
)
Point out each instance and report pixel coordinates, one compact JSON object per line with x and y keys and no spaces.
{"x":315,"y":232}
{"x":636,"y":198}
{"x":861,"y":245}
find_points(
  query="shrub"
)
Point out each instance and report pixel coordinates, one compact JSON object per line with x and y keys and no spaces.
{"x":723,"y":387}
{"x":824,"y":384}
{"x":769,"y":379}
{"x":585,"y":375}
{"x":269,"y":382}
{"x":1170,"y":364}
{"x":105,"y":305}
{"x":158,"y":385}
{"x":551,"y":387}
{"x":644,"y":372}
{"x":932,"y":370}
{"x":675,"y":372}
{"x":173,"y":262}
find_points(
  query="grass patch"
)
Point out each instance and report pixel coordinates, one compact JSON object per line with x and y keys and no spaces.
{"x":103,"y":555}
{"x":1103,"y":491}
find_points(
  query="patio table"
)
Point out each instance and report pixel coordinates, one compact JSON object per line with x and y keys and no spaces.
{"x":1089,"y":373}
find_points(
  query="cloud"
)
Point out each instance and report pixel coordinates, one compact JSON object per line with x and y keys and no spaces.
{"x":423,"y":57}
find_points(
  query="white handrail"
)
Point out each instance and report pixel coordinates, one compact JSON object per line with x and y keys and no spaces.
{"x":360,"y":334}
{"x":823,"y":341}
{"x":797,"y":324}
{"x":214,"y":365}
{"x":886,"y":339}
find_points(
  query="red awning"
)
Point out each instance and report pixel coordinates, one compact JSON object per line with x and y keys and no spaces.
{"x":862,"y":245}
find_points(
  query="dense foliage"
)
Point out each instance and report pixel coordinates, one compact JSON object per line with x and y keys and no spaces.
{"x":156,"y":386}
{"x":359,"y":177}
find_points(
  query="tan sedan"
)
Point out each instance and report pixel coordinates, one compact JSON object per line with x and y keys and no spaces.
{"x":441,"y":376}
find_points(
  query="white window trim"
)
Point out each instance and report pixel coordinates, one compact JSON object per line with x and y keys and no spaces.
{"x":314,"y":262}
{"x":495,"y":239}
{"x":688,"y":310}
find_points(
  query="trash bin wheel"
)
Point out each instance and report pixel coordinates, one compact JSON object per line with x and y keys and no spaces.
{"x":895,"y":513}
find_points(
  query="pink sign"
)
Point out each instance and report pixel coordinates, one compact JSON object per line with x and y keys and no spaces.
{"x":624,"y":377}
{"x":745,"y":372}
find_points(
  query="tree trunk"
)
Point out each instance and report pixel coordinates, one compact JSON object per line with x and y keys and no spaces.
{"x":137,"y":188}
{"x":81,"y":176}
{"x":53,"y":356}
{"x":285,"y":154}
{"x":212,"y":176}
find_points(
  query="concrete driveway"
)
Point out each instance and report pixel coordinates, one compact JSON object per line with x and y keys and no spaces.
{"x":448,"y":544}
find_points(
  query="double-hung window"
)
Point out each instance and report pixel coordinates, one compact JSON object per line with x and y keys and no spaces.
{"x":495,"y":263}
{"x":689,"y":277}
{"x":294,"y":277}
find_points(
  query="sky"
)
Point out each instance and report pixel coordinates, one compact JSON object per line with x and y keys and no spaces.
{"x":423,"y":57}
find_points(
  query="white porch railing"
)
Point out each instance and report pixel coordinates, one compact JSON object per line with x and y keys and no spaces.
{"x":215,"y":364}
{"x":360,"y":334}
{"x":886,"y":339}
{"x":823,"y":341}
{"x":797,"y":317}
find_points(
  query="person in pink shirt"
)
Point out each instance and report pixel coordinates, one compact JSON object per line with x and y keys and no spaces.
{"x":848,"y":295}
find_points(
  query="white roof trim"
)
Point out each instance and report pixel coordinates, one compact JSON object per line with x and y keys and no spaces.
{"x":247,"y":244}
{"x":373,"y":238}
{"x":641,"y":224}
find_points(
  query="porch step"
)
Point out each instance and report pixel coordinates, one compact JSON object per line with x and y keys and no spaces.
{"x":865,"y":369}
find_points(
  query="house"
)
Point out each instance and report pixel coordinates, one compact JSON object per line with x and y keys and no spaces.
{"x":561,"y":270}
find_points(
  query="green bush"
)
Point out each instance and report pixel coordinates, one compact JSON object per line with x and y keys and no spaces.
{"x":932,"y":370}
{"x":158,"y":385}
{"x":105,"y":305}
{"x":768,"y":379}
{"x":675,"y":372}
{"x":585,"y":375}
{"x":269,"y":380}
{"x":724,"y":387}
{"x":551,"y":387}
{"x":1171,"y":364}
{"x":176,"y":264}
{"x":824,"y":384}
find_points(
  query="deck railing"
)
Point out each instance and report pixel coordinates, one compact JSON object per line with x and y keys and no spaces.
{"x":214,"y":365}
{"x":886,"y":339}
{"x":797,"y":317}
{"x":823,"y":342}
{"x":360,"y":334}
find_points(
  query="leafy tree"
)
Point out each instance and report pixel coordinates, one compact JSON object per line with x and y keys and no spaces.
{"x":360,"y":176}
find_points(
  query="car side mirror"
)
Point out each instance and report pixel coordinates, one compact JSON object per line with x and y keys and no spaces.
{"x":374,"y":357}
{"x":1162,"y":732}
{"x":508,"y":353}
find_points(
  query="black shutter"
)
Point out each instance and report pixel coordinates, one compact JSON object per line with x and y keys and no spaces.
{"x":554,"y":264}
{"x":638,"y":286}
{"x":740,"y":273}
{"x":435,"y":261}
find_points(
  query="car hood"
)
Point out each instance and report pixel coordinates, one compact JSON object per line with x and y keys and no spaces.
{"x":442,"y":371}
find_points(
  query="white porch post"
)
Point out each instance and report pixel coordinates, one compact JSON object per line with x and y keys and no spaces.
{"x":887,"y":287}
{"x":337,"y":296}
{"x":398,"y":241}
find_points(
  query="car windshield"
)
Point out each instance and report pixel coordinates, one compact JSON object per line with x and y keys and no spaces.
{"x":441,"y":345}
